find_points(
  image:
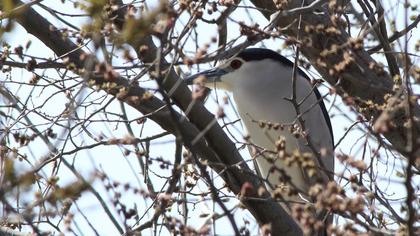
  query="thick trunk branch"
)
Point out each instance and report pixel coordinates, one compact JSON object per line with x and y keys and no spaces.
{"x":358,"y":80}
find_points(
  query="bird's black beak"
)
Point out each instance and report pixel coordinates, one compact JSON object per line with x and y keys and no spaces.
{"x":212,"y":76}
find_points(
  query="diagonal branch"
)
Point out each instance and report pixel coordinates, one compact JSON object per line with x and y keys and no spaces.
{"x":397,"y":35}
{"x":380,"y":30}
{"x":215,"y":148}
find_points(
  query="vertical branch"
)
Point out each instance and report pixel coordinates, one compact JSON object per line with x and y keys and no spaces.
{"x":411,"y":212}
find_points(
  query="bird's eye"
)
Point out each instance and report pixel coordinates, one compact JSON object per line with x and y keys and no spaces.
{"x":235,"y":64}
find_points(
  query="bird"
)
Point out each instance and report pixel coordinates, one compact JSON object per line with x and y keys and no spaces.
{"x":261,"y":83}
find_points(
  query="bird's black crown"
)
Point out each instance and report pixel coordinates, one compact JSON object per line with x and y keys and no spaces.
{"x":258,"y":54}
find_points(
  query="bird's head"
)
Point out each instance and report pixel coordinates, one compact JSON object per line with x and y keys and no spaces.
{"x":221,"y":76}
{"x":226,"y":74}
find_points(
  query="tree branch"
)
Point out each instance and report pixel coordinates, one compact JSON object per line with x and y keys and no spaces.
{"x":220,"y":148}
{"x":356,"y":78}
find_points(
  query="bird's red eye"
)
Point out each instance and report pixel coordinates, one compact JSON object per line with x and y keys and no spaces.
{"x":235,"y":64}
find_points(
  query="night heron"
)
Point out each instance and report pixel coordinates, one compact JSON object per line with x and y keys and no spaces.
{"x":260,"y":81}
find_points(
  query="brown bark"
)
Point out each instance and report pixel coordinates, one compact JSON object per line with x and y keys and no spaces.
{"x":358,"y":80}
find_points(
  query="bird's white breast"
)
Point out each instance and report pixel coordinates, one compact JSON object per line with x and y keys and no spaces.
{"x":259,"y":97}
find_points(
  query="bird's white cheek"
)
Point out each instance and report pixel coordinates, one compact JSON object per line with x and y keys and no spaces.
{"x":227,"y":82}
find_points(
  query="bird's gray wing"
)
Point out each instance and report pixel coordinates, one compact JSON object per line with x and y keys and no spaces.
{"x":324,"y":163}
